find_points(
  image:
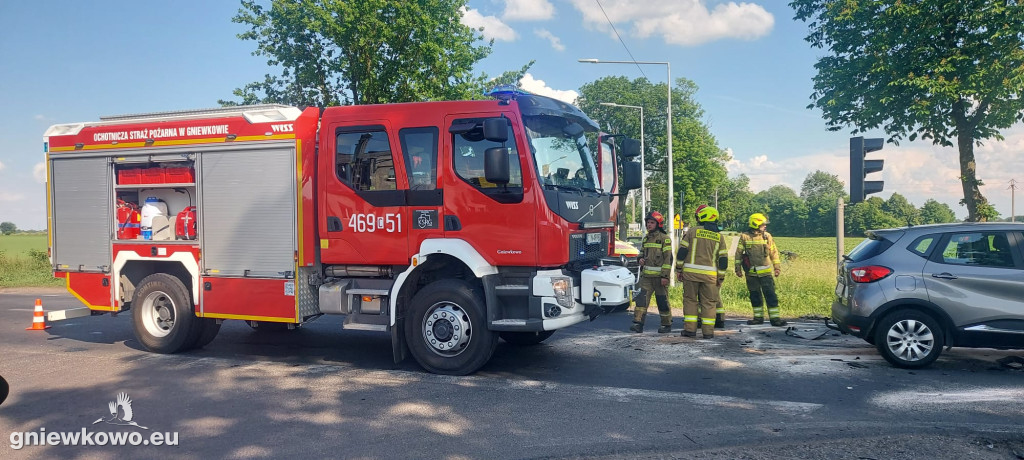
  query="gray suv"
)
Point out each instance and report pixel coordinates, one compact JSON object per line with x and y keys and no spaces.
{"x":911,"y":291}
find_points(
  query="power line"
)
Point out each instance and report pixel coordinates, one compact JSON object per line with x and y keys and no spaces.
{"x":631,"y":58}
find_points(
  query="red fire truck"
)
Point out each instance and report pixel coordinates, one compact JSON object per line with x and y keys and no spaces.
{"x":446,"y":224}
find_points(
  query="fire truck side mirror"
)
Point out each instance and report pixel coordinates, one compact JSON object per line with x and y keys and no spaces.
{"x":630,"y":148}
{"x":630,"y":175}
{"x":496,"y":129}
{"x":496,"y":165}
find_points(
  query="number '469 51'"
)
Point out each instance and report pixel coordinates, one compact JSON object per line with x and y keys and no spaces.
{"x":390,"y":222}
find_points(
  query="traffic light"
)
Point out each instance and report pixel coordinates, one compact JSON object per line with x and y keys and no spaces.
{"x":859,"y":167}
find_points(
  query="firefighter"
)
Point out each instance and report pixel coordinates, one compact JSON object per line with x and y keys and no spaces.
{"x":701,"y":260}
{"x":719,"y":307}
{"x":655,"y":268}
{"x":758,"y":258}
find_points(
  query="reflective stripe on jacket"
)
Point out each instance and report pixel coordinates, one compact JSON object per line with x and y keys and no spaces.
{"x":657,"y":254}
{"x":760,"y":247}
{"x":704,"y":248}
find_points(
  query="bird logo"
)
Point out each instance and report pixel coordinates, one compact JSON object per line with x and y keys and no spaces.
{"x":123,"y":406}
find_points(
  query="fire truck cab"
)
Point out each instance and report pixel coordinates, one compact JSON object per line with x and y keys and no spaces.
{"x":447,"y":224}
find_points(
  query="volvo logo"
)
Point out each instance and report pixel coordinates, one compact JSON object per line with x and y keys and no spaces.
{"x":572,"y":204}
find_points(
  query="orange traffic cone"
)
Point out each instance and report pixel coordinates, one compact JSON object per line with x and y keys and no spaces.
{"x":38,"y":318}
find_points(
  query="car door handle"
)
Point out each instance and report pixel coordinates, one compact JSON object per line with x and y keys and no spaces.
{"x":944,"y":275}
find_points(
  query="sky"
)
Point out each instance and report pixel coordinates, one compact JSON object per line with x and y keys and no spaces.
{"x":73,"y":61}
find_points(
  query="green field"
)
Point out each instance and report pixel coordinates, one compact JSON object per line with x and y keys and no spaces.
{"x":805,"y":288}
{"x":23,"y":261}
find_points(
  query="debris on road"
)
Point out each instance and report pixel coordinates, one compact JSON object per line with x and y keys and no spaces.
{"x":809,"y":333}
{"x":1012,"y":362}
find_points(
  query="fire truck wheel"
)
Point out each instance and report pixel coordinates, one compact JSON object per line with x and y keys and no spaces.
{"x":446,"y":328}
{"x":162,"y":315}
{"x":209,"y":329}
{"x":525,"y":338}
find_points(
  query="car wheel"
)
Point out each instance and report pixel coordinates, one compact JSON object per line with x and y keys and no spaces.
{"x":162,"y":315}
{"x":446,"y":328}
{"x":909,"y":339}
{"x":525,"y":338}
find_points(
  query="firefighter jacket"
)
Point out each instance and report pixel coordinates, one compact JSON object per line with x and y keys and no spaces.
{"x":703,"y":257}
{"x":657,"y":254}
{"x":763,"y":256}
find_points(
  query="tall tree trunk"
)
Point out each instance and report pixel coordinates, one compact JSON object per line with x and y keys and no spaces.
{"x":965,"y":126}
{"x":969,"y":178}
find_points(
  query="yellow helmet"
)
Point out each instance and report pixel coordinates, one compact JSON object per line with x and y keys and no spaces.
{"x":707,"y":214}
{"x":757,"y":220}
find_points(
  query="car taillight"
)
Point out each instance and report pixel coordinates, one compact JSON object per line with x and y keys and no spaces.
{"x":869,"y":274}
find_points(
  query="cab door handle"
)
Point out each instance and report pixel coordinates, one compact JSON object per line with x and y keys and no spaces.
{"x":944,"y":275}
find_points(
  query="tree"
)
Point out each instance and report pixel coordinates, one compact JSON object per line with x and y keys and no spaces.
{"x":934,"y":212}
{"x":868,"y":215}
{"x":948,"y":71}
{"x":8,"y":228}
{"x":820,"y":192}
{"x":698,"y":161}
{"x":786,"y":212}
{"x":735,"y":203}
{"x":900,"y":209}
{"x":361,"y":52}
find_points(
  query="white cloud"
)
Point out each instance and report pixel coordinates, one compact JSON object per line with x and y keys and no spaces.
{"x":536,"y":86}
{"x":556,"y":43}
{"x":1,"y":166}
{"x":39,"y":172}
{"x":528,"y":10}
{"x":679,"y":22}
{"x":492,"y":27}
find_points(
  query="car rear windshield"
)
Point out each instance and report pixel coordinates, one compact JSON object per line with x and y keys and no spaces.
{"x":872,"y":246}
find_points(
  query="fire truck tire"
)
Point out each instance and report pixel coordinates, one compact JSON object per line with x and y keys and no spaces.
{"x":209,"y":329}
{"x":446,"y":328}
{"x":525,"y":338}
{"x":163,"y":317}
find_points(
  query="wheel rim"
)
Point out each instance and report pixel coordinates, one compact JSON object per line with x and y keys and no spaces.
{"x":910,"y":340}
{"x":158,"y":314}
{"x":446,"y":329}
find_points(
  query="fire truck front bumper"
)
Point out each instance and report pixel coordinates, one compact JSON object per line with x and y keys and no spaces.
{"x":575,"y":299}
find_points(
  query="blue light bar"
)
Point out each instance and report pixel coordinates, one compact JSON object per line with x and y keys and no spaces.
{"x":506,"y":93}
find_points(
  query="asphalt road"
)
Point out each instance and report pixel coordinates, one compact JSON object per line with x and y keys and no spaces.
{"x":591,"y":391}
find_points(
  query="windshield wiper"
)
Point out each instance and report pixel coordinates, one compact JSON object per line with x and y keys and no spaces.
{"x":565,"y":187}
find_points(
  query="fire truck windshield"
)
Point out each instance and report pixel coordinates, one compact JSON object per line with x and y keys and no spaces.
{"x":561,"y":153}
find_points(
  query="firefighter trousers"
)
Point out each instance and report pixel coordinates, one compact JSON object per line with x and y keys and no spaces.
{"x":699,"y":301}
{"x":652,"y":285}
{"x":758,"y":285}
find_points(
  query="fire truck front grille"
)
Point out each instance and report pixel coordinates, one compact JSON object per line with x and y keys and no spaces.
{"x":580,"y":251}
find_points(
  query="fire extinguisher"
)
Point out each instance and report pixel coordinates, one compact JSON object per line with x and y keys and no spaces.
{"x":128,"y":220}
{"x":185,"y":224}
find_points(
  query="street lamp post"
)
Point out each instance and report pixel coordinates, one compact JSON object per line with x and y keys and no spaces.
{"x":643,"y":169}
{"x":668,"y":67}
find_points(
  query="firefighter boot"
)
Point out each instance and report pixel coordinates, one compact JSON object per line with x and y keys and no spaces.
{"x":720,"y":321}
{"x":639,"y":312}
{"x":778,"y":322}
{"x":686,"y":333}
{"x":756,"y":320}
